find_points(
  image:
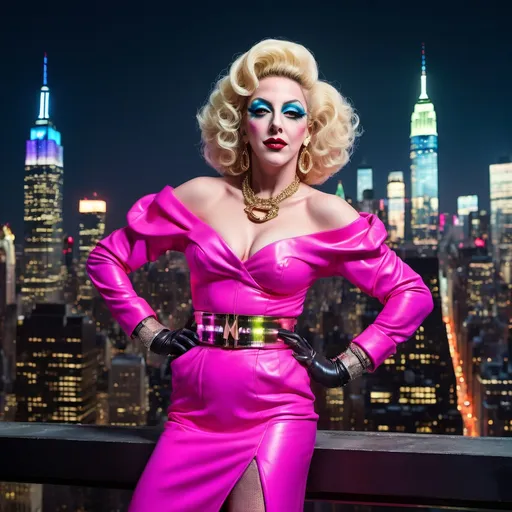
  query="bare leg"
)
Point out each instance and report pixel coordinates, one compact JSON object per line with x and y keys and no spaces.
{"x":247,"y":495}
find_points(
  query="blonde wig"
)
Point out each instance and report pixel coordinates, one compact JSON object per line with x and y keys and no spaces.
{"x":332,"y":121}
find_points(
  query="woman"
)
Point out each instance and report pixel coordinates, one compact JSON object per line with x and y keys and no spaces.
{"x":241,"y":421}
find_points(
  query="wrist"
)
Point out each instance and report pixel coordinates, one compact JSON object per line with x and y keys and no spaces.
{"x":354,"y":360}
{"x":151,"y":323}
{"x":147,"y":330}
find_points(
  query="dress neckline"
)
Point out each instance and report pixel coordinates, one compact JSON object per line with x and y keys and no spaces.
{"x":328,"y":234}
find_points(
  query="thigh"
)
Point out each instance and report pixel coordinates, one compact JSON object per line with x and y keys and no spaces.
{"x":247,"y":495}
{"x":283,"y":460}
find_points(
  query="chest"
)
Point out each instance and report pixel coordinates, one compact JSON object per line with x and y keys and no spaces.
{"x":246,"y":237}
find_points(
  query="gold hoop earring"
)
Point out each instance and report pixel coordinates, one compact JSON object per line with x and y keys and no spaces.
{"x":246,"y":161}
{"x":305,"y":161}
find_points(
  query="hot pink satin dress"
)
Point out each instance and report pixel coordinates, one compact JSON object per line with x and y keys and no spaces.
{"x":229,"y":407}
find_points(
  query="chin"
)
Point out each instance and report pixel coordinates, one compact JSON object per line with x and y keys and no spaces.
{"x":274,"y":160}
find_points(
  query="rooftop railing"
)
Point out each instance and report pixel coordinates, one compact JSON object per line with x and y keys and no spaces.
{"x":413,"y":470}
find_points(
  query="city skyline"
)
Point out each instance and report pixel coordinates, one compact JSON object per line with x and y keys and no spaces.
{"x":118,"y":121}
{"x":112,"y":121}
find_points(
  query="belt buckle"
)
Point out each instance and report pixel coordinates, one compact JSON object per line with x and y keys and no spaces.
{"x":231,"y":331}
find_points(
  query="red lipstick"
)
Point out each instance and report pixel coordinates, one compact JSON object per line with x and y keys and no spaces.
{"x":275,"y":143}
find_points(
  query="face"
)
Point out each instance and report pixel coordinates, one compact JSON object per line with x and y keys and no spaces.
{"x":276,"y":110}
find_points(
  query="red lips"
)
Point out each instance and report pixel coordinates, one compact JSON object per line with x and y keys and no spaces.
{"x":275,"y":141}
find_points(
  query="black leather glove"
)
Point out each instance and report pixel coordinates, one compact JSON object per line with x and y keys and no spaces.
{"x":331,"y":373}
{"x":174,"y":343}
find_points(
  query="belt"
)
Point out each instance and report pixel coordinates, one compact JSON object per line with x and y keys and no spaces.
{"x":241,"y":331}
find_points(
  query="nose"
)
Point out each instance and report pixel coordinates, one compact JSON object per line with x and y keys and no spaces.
{"x":275,"y":125}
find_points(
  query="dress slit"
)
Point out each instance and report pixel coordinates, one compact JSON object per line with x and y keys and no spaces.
{"x":243,"y":498}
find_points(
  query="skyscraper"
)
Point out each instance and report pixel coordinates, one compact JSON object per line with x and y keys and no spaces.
{"x":424,"y":179}
{"x":465,"y":206}
{"x":7,"y":314}
{"x":92,"y":229}
{"x":501,"y":217}
{"x":396,"y":206}
{"x":340,"y":191}
{"x":69,"y":270}
{"x":479,"y":227}
{"x":364,"y":181}
{"x":415,"y":390}
{"x":43,"y":185}
{"x":494,"y":399}
{"x":8,"y":266}
{"x":481,"y":294}
{"x":21,"y":497}
{"x":128,"y":390}
{"x":56,"y":367}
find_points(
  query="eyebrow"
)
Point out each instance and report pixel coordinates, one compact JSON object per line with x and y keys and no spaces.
{"x":270,"y":104}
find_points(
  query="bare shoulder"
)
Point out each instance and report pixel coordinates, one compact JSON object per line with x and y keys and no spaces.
{"x":198,"y":192}
{"x":330,"y":211}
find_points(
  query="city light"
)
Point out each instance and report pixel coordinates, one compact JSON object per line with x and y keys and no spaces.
{"x":463,"y":399}
{"x":92,"y":206}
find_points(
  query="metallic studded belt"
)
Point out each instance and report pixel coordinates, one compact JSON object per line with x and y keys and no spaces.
{"x":241,"y":331}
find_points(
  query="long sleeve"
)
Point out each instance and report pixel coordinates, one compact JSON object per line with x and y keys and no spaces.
{"x":108,"y":266}
{"x":379,"y":272}
{"x":150,"y":232}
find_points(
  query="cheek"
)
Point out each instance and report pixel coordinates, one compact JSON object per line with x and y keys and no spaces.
{"x":254,"y":127}
{"x":298,"y":131}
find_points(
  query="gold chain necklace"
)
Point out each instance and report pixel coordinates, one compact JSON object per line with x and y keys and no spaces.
{"x":270,"y":207}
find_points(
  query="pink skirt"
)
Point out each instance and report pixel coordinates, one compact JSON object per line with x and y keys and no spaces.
{"x":228,"y":408}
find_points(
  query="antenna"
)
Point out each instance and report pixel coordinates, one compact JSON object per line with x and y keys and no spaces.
{"x":423,"y":93}
{"x":423,"y":60}
{"x":45,"y":69}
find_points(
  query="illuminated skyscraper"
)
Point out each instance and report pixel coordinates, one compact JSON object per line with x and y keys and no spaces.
{"x":501,"y":217}
{"x":481,"y":293}
{"x":7,"y":315}
{"x":69,"y":270}
{"x":493,"y":399}
{"x":340,"y":192}
{"x":128,"y":390}
{"x":424,"y":180}
{"x":465,"y":206}
{"x":56,"y":367}
{"x":21,"y":497}
{"x":364,"y":181}
{"x":44,"y":176}
{"x":396,"y":206}
{"x":479,"y":227}
{"x":8,"y":262}
{"x":92,"y":229}
{"x":415,"y":389}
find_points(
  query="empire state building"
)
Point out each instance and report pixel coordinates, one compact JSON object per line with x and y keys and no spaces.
{"x":43,"y":188}
{"x":424,"y":179}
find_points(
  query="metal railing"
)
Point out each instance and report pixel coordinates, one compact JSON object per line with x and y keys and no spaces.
{"x":358,"y":467}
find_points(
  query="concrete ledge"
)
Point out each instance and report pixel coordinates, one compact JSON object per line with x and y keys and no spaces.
{"x":401,"y":469}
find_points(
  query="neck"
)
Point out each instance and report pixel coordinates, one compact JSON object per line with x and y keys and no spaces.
{"x":268,"y":181}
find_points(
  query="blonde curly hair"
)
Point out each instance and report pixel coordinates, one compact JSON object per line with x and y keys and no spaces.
{"x":332,"y":121}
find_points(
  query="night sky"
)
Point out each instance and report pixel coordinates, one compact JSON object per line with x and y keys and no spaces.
{"x":126,"y":84}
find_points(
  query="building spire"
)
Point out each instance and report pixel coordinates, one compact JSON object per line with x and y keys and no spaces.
{"x":423,"y":94}
{"x":340,"y":192}
{"x":44,"y":98}
{"x":45,"y":69}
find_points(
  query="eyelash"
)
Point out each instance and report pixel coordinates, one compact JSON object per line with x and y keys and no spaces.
{"x":296,"y":115}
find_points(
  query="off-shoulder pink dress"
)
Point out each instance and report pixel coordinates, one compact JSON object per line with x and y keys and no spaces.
{"x":230,"y":407}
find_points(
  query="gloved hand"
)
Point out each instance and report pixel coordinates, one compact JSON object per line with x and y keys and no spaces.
{"x":161,"y":340}
{"x":331,"y":373}
{"x":174,"y":343}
